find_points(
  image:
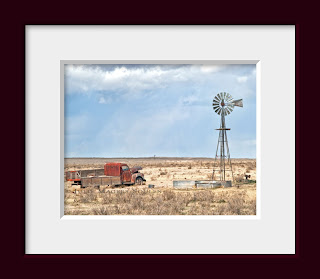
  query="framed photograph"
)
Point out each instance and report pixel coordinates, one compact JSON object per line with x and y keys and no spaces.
{"x":117,"y":115}
{"x":121,"y":139}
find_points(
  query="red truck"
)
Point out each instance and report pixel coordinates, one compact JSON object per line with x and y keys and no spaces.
{"x":112,"y":174}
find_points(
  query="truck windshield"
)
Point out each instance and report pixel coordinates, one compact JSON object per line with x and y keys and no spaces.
{"x":125,"y":168}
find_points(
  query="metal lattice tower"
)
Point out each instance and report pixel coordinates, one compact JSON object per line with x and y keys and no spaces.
{"x":223,"y":105}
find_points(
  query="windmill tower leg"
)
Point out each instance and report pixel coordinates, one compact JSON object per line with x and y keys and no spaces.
{"x":222,"y":162}
{"x":228,"y":157}
{"x":216,"y":157}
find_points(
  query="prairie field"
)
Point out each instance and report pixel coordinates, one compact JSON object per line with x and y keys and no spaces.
{"x":163,"y":199}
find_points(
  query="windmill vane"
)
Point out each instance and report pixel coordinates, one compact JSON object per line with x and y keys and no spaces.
{"x":223,"y":104}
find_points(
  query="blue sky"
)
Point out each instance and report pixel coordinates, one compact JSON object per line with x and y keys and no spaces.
{"x":163,"y":110}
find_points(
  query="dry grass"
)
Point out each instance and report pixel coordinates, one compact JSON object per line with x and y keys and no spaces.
{"x":163,"y":202}
{"x":163,"y":199}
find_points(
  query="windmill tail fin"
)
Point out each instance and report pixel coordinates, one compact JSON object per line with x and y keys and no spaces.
{"x":238,"y":103}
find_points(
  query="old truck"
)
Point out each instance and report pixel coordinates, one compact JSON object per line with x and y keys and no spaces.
{"x":113,"y":174}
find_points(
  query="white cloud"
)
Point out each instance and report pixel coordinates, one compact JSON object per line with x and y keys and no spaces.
{"x":131,"y":80}
{"x":210,"y":68}
{"x":242,"y":79}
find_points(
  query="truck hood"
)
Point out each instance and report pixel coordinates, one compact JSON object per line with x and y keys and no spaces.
{"x":135,"y":169}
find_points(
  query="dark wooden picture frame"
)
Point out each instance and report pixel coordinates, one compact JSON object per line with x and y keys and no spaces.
{"x":303,"y":261}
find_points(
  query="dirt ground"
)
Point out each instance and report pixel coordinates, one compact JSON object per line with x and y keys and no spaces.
{"x":164,"y":199}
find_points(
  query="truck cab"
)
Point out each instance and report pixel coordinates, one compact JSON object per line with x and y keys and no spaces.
{"x":127,"y":175}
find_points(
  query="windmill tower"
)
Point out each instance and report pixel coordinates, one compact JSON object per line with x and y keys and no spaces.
{"x":223,"y":105}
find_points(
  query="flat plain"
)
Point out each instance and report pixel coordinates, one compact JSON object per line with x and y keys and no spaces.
{"x":163,"y":199}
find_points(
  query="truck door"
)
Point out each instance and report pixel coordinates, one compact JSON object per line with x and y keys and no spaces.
{"x":125,"y":174}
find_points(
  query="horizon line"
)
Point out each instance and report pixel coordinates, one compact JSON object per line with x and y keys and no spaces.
{"x":149,"y":157}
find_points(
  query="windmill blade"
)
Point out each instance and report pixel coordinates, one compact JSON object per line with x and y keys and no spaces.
{"x":229,"y":103}
{"x":224,"y":95}
{"x":215,"y":107}
{"x":238,"y":103}
{"x":219,"y":111}
{"x":216,"y":110}
{"x":216,"y":98}
{"x":215,"y":103}
{"x":229,"y":97}
{"x":229,"y":110}
{"x":229,"y":106}
{"x":220,"y":96}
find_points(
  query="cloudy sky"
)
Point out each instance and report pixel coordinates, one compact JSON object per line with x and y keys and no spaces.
{"x":163,"y":110}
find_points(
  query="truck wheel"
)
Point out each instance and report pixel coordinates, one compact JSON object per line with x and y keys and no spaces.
{"x":138,"y":181}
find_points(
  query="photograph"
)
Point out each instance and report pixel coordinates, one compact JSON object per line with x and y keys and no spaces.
{"x":160,"y":139}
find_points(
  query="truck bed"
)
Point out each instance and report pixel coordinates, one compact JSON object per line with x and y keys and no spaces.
{"x":77,"y":175}
{"x":100,"y":181}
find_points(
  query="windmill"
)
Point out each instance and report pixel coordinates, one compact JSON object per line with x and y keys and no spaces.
{"x":223,"y":105}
